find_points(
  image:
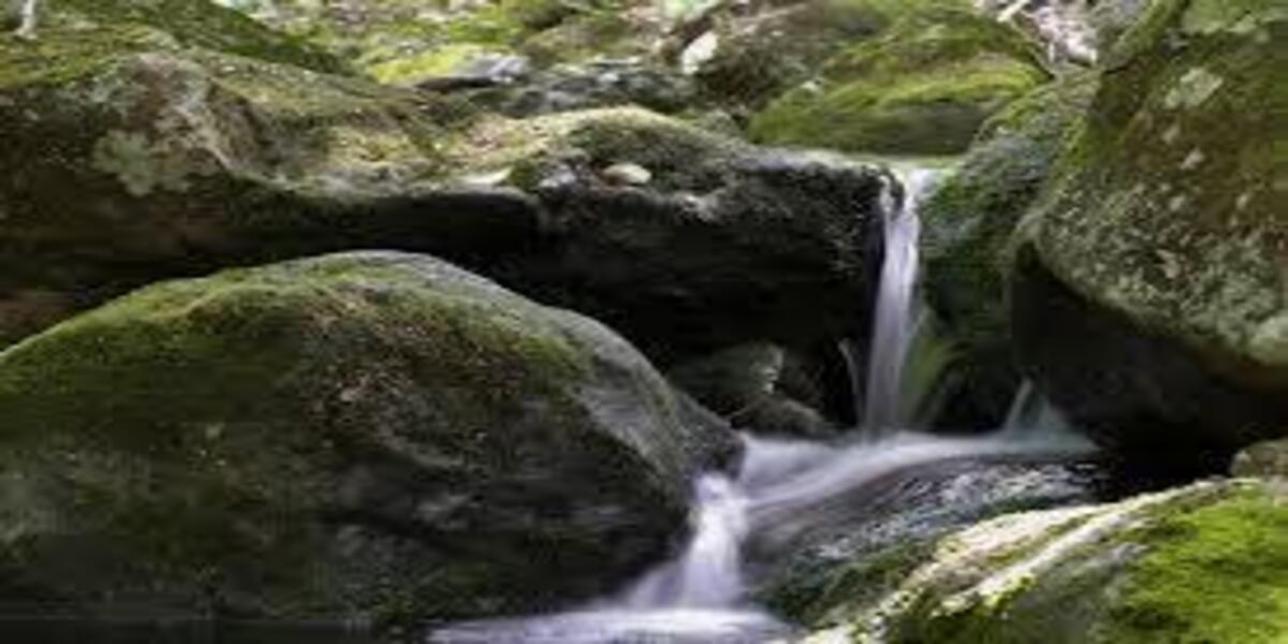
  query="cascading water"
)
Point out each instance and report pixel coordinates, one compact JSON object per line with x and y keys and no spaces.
{"x":893,"y":329}
{"x":784,"y":487}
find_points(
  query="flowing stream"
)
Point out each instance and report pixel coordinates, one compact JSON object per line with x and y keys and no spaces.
{"x":700,"y":596}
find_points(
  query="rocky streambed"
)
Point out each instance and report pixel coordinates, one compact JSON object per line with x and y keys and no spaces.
{"x":507,"y":320}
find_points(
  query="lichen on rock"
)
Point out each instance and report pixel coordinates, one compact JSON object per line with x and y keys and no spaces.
{"x":1166,"y":212}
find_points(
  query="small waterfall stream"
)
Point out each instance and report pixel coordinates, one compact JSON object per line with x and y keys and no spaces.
{"x":784,"y":486}
{"x":893,"y":328}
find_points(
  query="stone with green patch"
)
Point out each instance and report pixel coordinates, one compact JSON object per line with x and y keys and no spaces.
{"x":924,"y":87}
{"x":1164,"y":231}
{"x":967,"y":228}
{"x":726,"y":244}
{"x":1203,"y":563}
{"x":367,"y":435}
{"x":185,"y":159}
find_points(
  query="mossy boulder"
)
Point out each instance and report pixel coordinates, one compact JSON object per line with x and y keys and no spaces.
{"x":924,"y":87}
{"x":1206,"y":563}
{"x":761,"y":51}
{"x":193,"y":23}
{"x":968,"y":223}
{"x":404,"y":40}
{"x":368,"y":435}
{"x":1149,"y":289}
{"x":725,"y":243}
{"x":131,"y":156}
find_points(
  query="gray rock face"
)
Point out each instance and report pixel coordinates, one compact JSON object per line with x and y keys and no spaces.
{"x":968,"y":224}
{"x":761,"y":388}
{"x":367,"y":435}
{"x":1193,"y":562}
{"x":726,"y":244}
{"x":1149,"y":296}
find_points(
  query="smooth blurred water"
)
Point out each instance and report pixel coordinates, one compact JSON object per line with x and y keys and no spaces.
{"x":893,"y":318}
{"x":786,"y":487}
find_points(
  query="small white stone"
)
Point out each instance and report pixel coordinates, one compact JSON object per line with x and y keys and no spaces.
{"x":1193,"y":160}
{"x":627,"y":174}
{"x":699,"y":53}
{"x":1193,"y":89}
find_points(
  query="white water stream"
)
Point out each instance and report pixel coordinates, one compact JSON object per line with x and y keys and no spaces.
{"x":893,"y":327}
{"x":699,"y":597}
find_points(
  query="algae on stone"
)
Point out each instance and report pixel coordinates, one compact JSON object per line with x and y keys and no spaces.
{"x":1205,"y":563}
{"x":1166,"y":220}
{"x":924,"y":87}
{"x":368,"y":435}
{"x":968,"y":224}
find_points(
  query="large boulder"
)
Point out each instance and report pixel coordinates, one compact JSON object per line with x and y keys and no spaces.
{"x":924,"y":87}
{"x":193,"y":23}
{"x":366,"y":435}
{"x":402,"y":42}
{"x":742,"y":55}
{"x":1149,"y":290}
{"x":186,"y":159}
{"x":1206,"y":563}
{"x":967,"y":228}
{"x":686,"y":241}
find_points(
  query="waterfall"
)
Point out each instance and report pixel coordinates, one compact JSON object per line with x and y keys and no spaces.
{"x":893,"y":328}
{"x":785,"y":487}
{"x":1031,"y":412}
{"x":708,"y":573}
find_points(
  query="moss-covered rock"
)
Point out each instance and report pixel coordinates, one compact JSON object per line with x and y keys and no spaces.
{"x":373,"y":435}
{"x":1207,"y":563}
{"x":1149,"y":299}
{"x":924,"y":87}
{"x":194,"y":23}
{"x":762,"y":51}
{"x":725,"y":244}
{"x":967,"y":226}
{"x":187,"y":159}
{"x":405,"y":40}
{"x":838,"y":565}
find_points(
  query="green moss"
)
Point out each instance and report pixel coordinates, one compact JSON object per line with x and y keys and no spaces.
{"x":443,"y":61}
{"x":594,"y":34}
{"x":1218,"y":573}
{"x":679,"y":155}
{"x":924,"y":88}
{"x":969,"y":221}
{"x":162,"y":333}
{"x":1163,"y":210}
{"x":201,"y":443}
{"x":203,"y":24}
{"x":66,"y":55}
